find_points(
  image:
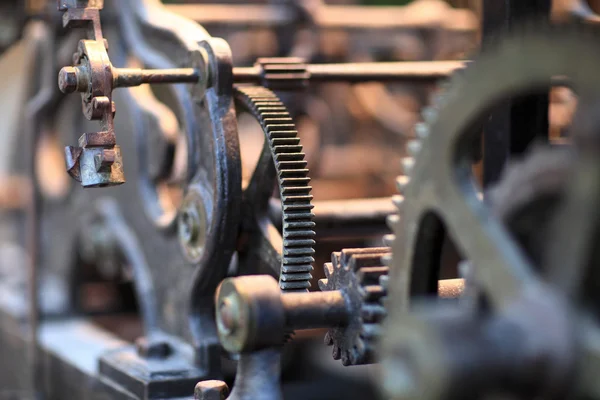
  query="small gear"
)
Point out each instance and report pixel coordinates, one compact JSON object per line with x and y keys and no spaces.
{"x":283,"y":73}
{"x":356,"y":273}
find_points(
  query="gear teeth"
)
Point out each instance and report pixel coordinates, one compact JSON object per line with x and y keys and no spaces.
{"x":294,"y":184}
{"x":398,"y":201}
{"x":373,"y":313}
{"x":387,"y":259}
{"x":407,"y":165}
{"x":329,"y":269}
{"x":421,"y":130}
{"x":384,"y":281}
{"x":323,"y":284}
{"x":393,"y":221}
{"x":371,"y":331}
{"x":414,"y":147}
{"x":389,"y":239}
{"x":402,"y":182}
{"x":429,"y":114}
{"x":357,"y":272}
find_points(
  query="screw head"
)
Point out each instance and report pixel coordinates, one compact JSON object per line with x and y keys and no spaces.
{"x":67,"y":80}
{"x":192,"y":225}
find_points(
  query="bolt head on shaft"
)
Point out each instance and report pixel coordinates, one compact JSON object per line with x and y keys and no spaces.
{"x":67,"y":80}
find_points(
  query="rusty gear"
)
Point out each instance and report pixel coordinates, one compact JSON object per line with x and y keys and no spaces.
{"x":356,"y":273}
{"x":283,"y":146}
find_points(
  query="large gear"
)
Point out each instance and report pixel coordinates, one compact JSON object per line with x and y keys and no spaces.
{"x":356,"y":272}
{"x":282,"y":145}
{"x":439,"y":195}
{"x":529,"y":193}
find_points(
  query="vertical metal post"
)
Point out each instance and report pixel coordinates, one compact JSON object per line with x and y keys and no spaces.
{"x":515,"y":124}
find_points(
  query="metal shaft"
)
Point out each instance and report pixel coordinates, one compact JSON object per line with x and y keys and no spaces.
{"x":128,"y":77}
{"x":314,"y":310}
{"x":365,"y":72}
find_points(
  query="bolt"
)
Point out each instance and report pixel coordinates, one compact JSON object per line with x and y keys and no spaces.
{"x":211,"y":390}
{"x":190,"y":225}
{"x":67,"y":79}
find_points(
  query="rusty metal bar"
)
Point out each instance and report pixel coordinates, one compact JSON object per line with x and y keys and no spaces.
{"x":429,"y":71}
{"x":129,"y":77}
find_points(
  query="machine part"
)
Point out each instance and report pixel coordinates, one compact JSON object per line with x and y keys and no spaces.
{"x":290,"y":73}
{"x":258,"y":376}
{"x":253,"y":313}
{"x":346,"y":218}
{"x":544,"y":172}
{"x":418,"y":356}
{"x":282,"y":73}
{"x":192,"y":224}
{"x":97,"y":161}
{"x":211,"y":390}
{"x":356,"y":274}
{"x":281,"y":163}
{"x":184,"y":290}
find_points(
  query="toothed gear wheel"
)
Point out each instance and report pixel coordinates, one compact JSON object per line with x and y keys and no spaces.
{"x":356,"y":273}
{"x":283,"y":146}
{"x":439,"y":195}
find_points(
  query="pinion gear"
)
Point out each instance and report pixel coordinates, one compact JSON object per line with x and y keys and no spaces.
{"x":356,"y":273}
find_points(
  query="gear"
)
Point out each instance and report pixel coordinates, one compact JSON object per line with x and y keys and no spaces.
{"x":438,"y":194}
{"x":528,"y":193}
{"x":283,"y":147}
{"x":283,"y":73}
{"x":356,"y":272}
